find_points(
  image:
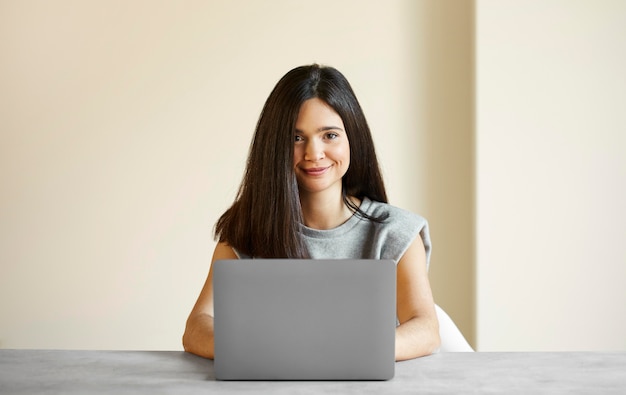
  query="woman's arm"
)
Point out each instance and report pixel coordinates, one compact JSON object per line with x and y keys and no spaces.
{"x":198,"y":337}
{"x":418,"y":333}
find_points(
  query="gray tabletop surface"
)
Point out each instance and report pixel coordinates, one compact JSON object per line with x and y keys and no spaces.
{"x":176,"y":372}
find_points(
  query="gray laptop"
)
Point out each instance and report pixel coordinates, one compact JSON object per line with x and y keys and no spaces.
{"x":292,"y":319}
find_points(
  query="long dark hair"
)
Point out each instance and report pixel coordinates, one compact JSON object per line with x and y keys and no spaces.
{"x":265,"y":219}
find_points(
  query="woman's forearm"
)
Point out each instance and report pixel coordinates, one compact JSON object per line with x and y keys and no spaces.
{"x":198,"y":337}
{"x":416,"y":338}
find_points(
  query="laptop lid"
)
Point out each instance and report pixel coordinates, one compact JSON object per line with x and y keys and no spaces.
{"x":292,"y":319}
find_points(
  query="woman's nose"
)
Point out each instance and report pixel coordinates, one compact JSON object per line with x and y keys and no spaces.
{"x":314,"y":151}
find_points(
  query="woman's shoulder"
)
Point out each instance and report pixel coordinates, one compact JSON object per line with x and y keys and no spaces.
{"x":395,"y":216}
{"x":398,"y":228}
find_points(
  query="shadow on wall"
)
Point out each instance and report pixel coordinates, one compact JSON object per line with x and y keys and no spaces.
{"x":443,"y":62}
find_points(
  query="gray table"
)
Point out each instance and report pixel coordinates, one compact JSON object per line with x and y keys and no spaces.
{"x":172,"y":372}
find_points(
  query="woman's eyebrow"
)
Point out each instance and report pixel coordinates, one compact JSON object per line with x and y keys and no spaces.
{"x":324,"y":129}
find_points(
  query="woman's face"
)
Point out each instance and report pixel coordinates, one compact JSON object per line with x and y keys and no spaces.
{"x":321,"y":151}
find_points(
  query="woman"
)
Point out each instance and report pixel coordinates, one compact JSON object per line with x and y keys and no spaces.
{"x":313,"y":189}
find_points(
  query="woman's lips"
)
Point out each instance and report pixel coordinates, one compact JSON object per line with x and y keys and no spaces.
{"x":315,"y":171}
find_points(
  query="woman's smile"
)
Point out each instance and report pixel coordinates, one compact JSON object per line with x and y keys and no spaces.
{"x":316,"y":171}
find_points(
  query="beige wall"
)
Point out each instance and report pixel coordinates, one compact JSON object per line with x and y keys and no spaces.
{"x":551,"y":175}
{"x":124,"y":127}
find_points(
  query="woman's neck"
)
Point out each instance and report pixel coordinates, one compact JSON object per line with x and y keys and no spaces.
{"x":324,"y":210}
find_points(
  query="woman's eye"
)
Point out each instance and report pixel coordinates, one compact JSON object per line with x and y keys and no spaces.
{"x":331,"y":136}
{"x":298,"y":138}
